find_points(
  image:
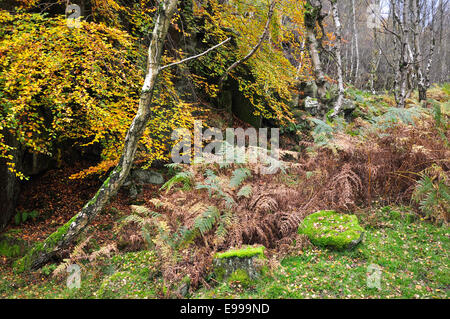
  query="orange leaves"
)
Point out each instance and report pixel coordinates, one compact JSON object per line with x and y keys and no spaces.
{"x":102,"y":167}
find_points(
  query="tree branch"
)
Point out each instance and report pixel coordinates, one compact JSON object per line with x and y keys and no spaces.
{"x":195,"y":56}
{"x":256,"y":47}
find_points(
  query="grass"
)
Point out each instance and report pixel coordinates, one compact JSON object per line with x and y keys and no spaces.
{"x":413,"y":258}
{"x":412,"y":255}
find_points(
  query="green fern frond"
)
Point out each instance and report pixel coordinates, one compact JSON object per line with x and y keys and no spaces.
{"x":207,"y":220}
{"x":245,"y":191}
{"x":432,"y":193}
{"x":395,"y":115}
{"x":182,"y":177}
{"x":239,"y":175}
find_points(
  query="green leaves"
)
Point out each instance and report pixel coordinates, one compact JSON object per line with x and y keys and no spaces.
{"x":239,"y":175}
{"x":186,"y":178}
{"x":432,"y":193}
{"x":23,"y":216}
{"x":245,"y":191}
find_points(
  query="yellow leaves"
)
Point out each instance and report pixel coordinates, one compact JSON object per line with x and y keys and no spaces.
{"x":273,"y":75}
{"x":52,"y":91}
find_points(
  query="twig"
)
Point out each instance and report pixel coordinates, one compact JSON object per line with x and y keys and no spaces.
{"x":196,"y":56}
{"x":256,"y":47}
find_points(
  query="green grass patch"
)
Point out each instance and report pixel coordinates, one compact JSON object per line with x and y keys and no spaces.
{"x":413,"y":258}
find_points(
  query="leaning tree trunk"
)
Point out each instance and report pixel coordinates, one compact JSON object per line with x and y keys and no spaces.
{"x":43,"y":252}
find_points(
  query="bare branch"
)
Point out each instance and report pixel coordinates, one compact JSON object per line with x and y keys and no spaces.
{"x":256,"y":47}
{"x":196,"y":56}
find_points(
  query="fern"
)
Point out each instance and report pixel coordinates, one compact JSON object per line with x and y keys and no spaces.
{"x":321,"y":127}
{"x":174,"y":168}
{"x":182,"y":177}
{"x":432,"y":193}
{"x":202,"y":224}
{"x":323,"y":131}
{"x":245,"y":191}
{"x":212,"y":185}
{"x":207,"y":220}
{"x":239,"y":175}
{"x":225,"y":221}
{"x":395,"y":115}
{"x":440,"y":122}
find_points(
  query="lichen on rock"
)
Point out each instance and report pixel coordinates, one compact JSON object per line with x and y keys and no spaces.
{"x":328,"y":228}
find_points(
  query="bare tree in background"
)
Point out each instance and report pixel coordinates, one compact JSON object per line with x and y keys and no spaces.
{"x":313,"y":16}
{"x":338,"y":57}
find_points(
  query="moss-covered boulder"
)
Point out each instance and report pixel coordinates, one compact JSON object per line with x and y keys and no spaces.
{"x":243,"y":265}
{"x":328,"y":228}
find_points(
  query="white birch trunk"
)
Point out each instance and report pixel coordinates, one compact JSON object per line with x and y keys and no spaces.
{"x":338,"y":51}
{"x":42,"y":252}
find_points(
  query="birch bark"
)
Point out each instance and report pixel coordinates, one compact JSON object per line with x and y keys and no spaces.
{"x":42,"y":252}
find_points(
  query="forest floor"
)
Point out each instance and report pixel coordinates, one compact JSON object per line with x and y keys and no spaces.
{"x":413,"y":257}
{"x":362,"y":168}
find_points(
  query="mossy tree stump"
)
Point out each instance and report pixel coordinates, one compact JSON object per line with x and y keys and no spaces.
{"x":242,"y":265}
{"x":328,"y":228}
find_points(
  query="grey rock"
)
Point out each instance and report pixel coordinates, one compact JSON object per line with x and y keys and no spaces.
{"x":224,"y":267}
{"x":142,"y":176}
{"x":230,"y":265}
{"x":348,"y":105}
{"x":311,"y":104}
{"x":355,"y":242}
{"x":139,"y":177}
{"x":308,"y":89}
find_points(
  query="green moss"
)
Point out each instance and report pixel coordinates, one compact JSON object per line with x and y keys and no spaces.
{"x":125,"y":284}
{"x":46,"y":246}
{"x":245,"y":252}
{"x":328,"y":228}
{"x":219,"y":273}
{"x":9,"y":249}
{"x":240,"y":276}
{"x":186,"y":280}
{"x":48,"y":269}
{"x":143,"y":263}
{"x":133,"y":276}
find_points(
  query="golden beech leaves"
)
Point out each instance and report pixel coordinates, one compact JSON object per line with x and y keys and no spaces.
{"x":76,"y":84}
{"x":270,"y":76}
{"x":82,"y":85}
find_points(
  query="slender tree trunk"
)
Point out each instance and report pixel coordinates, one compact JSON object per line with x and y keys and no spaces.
{"x":403,"y":65}
{"x":426,"y":76}
{"x":415,"y":9}
{"x":42,"y":252}
{"x":338,"y":51}
{"x":355,"y":39}
{"x":312,"y":16}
